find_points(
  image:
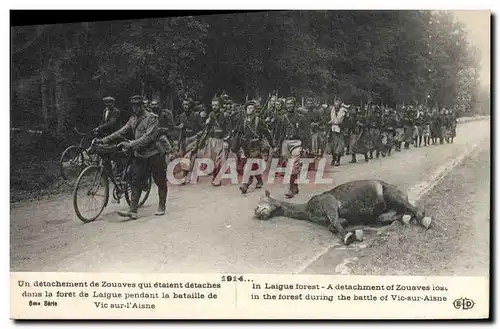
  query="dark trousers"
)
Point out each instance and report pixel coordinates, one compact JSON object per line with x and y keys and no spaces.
{"x":140,"y":169}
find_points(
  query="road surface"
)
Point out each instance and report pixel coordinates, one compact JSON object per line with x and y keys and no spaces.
{"x":210,"y":229}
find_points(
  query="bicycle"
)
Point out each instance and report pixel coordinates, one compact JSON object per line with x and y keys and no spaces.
{"x":101,"y":174}
{"x":75,"y":158}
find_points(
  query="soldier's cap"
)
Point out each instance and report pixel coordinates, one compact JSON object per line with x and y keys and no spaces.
{"x":250,"y":102}
{"x":154,"y":102}
{"x":345,"y":106}
{"x":216,"y":99}
{"x":108,"y":99}
{"x":136,"y":99}
{"x":291,"y":98}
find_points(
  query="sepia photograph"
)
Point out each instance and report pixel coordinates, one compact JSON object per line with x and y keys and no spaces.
{"x":283,"y":142}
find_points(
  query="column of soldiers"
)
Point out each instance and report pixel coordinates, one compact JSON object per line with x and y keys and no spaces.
{"x":279,"y":128}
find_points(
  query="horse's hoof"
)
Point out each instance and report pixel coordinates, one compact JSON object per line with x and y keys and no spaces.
{"x":406,"y":219}
{"x":426,"y":222}
{"x":359,"y":235}
{"x":348,"y":238}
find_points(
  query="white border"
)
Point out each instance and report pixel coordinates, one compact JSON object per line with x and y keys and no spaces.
{"x":177,"y":5}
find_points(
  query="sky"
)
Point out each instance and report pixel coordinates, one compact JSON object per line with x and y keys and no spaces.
{"x":478,"y":27}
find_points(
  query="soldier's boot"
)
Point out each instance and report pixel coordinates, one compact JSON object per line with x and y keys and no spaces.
{"x":162,"y":202}
{"x":377,"y":154}
{"x":293,"y":188}
{"x":366,"y":157}
{"x":337,"y":161}
{"x":260,"y":183}
{"x":334,"y":158}
{"x":244,"y":187}
{"x":135,"y":195}
{"x":389,"y":150}
{"x":353,"y":158}
{"x":420,"y":141}
{"x":407,"y":145}
{"x":451,"y":140}
{"x":371,"y":155}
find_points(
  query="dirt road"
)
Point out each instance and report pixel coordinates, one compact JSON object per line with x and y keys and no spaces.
{"x":210,"y":229}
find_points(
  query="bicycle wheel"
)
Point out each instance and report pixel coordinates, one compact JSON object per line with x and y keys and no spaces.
{"x":71,"y":163}
{"x":92,"y":182}
{"x":145,"y":192}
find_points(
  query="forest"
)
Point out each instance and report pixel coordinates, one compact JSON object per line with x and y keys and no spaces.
{"x":61,"y":72}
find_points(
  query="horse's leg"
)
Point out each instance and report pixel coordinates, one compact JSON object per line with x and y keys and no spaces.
{"x":398,"y":201}
{"x":330,"y":207}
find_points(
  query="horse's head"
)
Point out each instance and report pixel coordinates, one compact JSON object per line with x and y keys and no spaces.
{"x":267,"y":207}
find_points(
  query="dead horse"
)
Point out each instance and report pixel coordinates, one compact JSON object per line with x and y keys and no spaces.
{"x":360,"y":202}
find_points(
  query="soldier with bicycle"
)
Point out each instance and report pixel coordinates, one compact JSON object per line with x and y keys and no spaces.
{"x":148,"y":155}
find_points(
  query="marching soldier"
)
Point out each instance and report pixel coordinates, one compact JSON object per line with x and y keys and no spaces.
{"x":294,"y":129}
{"x":426,"y":126}
{"x":398,"y":129}
{"x":387,"y":135}
{"x":253,"y":131}
{"x":451,"y":125}
{"x":337,"y":115}
{"x":217,"y":147}
{"x":359,"y":134}
{"x":408,"y":124}
{"x":190,"y":127}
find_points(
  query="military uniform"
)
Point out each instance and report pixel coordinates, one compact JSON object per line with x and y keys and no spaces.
{"x":398,"y":130}
{"x":254,"y":137}
{"x":387,"y":135}
{"x":359,"y":135}
{"x":408,"y":124}
{"x":337,"y":114}
{"x":217,"y":148}
{"x":294,"y":129}
{"x":147,"y":154}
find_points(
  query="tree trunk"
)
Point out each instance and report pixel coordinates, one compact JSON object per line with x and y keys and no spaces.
{"x":60,"y":101}
{"x":45,"y":102}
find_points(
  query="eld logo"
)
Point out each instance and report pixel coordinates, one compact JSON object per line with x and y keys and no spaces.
{"x":463,"y":303}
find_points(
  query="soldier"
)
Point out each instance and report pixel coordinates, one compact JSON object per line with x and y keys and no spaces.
{"x":318,"y":137}
{"x":146,"y":104}
{"x":253,"y":131}
{"x":398,"y":129}
{"x":110,"y":119}
{"x":408,"y":124}
{"x":435,"y":128}
{"x":293,"y":136}
{"x":442,"y":125}
{"x":451,"y":126}
{"x":387,"y":139}
{"x":359,"y":134}
{"x":346,"y":130}
{"x":217,"y":147}
{"x":426,"y":126}
{"x":190,"y":127}
{"x":276,"y":125}
{"x":143,"y":126}
{"x":374,"y":122}
{"x":337,"y":115}
{"x":418,"y":128}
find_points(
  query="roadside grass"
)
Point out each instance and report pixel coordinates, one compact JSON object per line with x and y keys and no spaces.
{"x":452,"y":245}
